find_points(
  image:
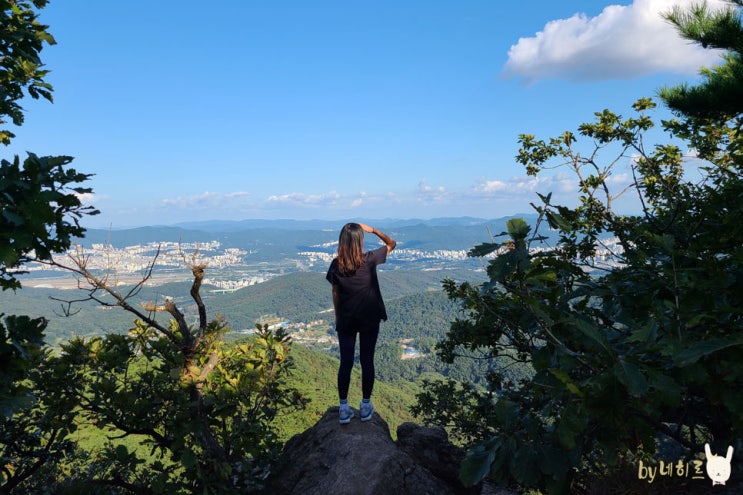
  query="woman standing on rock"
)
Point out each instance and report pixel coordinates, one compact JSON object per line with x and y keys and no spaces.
{"x":359,"y":309}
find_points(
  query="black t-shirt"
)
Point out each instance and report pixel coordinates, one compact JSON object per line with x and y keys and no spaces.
{"x":360,"y":304}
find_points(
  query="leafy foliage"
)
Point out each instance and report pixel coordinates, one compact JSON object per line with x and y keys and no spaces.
{"x":22,"y":38}
{"x":623,"y":354}
{"x":721,"y":94}
{"x":205,"y":408}
{"x":37,"y":434}
{"x":209,"y":432}
{"x":21,"y":339}
{"x":202,"y":408}
{"x":40,"y":208}
{"x":40,"y":211}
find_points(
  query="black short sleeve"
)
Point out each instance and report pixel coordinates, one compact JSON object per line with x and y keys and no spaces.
{"x":360,"y":304}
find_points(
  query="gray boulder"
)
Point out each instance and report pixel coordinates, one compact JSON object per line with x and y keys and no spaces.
{"x":361,"y":458}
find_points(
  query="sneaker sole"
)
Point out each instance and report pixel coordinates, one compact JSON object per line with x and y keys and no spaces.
{"x":346,"y":420}
{"x":367,"y":418}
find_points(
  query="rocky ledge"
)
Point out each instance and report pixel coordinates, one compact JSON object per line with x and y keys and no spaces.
{"x":361,"y":458}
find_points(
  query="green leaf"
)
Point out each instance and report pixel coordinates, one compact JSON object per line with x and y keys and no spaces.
{"x":484,"y":249}
{"x":665,"y":388}
{"x":701,"y":349}
{"x":569,"y":427}
{"x":553,"y":462}
{"x":476,"y":464}
{"x":589,"y":330}
{"x":13,"y":217}
{"x":665,"y":241}
{"x":644,"y":332}
{"x":507,"y":412}
{"x":557,"y":221}
{"x":630,"y":376}
{"x":517,"y":228}
{"x":524,"y":466}
{"x":565,"y":380}
{"x":545,"y":199}
{"x":502,"y":266}
{"x":189,"y":459}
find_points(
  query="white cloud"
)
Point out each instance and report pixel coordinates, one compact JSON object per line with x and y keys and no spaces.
{"x":490,"y":186}
{"x":205,"y":200}
{"x":89,"y":198}
{"x":424,"y":188}
{"x":427,"y":193}
{"x":331,"y":200}
{"x":619,"y":179}
{"x":525,"y":186}
{"x":515,"y":185}
{"x":358,"y":201}
{"x":485,"y":198}
{"x":303,"y":199}
{"x":622,"y":42}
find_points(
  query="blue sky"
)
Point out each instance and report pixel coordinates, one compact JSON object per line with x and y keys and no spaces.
{"x":188,"y":110}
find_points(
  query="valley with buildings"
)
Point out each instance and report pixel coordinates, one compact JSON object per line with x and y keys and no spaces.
{"x":264,"y":276}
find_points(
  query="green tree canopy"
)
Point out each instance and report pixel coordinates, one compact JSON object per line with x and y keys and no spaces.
{"x":40,"y":210}
{"x":40,"y":205}
{"x":632,"y":324}
{"x":721,"y":94}
{"x":22,"y":38}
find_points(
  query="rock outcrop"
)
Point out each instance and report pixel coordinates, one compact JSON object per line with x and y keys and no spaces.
{"x":361,"y":458}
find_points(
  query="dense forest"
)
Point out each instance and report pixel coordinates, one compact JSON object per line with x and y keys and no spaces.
{"x":295,"y":297}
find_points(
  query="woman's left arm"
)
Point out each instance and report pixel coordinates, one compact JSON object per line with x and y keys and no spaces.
{"x":388,"y":241}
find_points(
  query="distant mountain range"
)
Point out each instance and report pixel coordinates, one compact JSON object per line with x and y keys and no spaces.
{"x":436,"y":233}
{"x":239,"y":225}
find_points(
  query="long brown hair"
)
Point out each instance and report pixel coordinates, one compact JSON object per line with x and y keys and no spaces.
{"x":350,"y":248}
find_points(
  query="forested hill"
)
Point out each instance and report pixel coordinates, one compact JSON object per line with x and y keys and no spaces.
{"x":419,"y":313}
{"x":296,"y":297}
{"x":304,"y":296}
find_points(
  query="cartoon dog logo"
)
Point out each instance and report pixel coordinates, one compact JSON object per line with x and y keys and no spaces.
{"x":718,"y":467}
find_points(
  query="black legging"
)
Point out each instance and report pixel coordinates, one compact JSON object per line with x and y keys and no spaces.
{"x":347,"y":345}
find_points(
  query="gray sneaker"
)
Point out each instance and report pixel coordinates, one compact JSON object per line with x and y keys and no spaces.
{"x":366,"y":410}
{"x":345,"y":413}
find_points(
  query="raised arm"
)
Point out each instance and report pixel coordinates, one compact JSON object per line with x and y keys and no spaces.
{"x":388,"y":241}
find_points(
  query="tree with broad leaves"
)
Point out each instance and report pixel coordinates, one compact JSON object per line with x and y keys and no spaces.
{"x":182,"y":410}
{"x":630,"y":356}
{"x":40,"y":209}
{"x":22,"y":73}
{"x":200,"y":411}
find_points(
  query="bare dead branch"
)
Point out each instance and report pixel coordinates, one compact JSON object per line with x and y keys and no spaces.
{"x":67,"y":306}
{"x":198,"y":274}
{"x":148,"y":274}
{"x":197,"y":269}
{"x":79,"y":262}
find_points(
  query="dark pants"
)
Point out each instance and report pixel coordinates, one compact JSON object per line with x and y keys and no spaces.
{"x":367,"y":345}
